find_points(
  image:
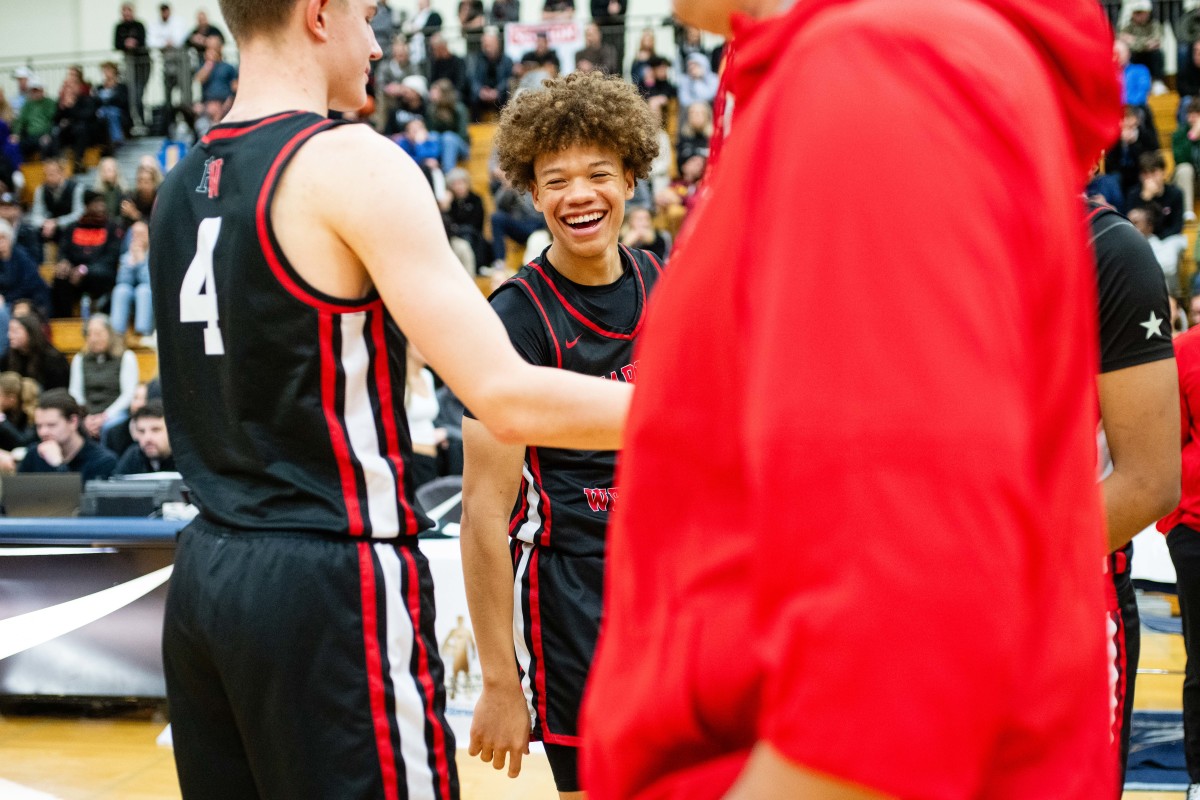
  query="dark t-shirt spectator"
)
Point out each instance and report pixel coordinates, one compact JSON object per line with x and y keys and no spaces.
{"x":93,"y":462}
{"x":130,"y":30}
{"x":134,"y":462}
{"x":50,"y":369}
{"x":20,"y":278}
{"x":1167,"y":209}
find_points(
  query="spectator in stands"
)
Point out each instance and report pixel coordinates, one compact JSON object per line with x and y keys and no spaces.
{"x":447,"y":65}
{"x":138,"y":205}
{"x":600,"y":53}
{"x":471,"y":20}
{"x":27,"y":237}
{"x":31,"y":355}
{"x":410,"y":104}
{"x":696,"y":132}
{"x":656,"y":85}
{"x":103,"y":377}
{"x":1144,"y":36}
{"x":1166,"y":252}
{"x":640,"y":232}
{"x":1135,"y":78}
{"x":151,"y":451}
{"x":1185,"y":146}
{"x":390,"y":75}
{"x":698,"y":84}
{"x":118,"y":439}
{"x":168,"y":34}
{"x":609,"y":15}
{"x":133,"y":285}
{"x":88,"y":255}
{"x":1187,"y":81}
{"x":421,"y":406}
{"x":74,"y":80}
{"x":18,"y":399}
{"x":542,"y":54}
{"x":447,"y":118}
{"x":19,"y":275}
{"x":198,"y":39}
{"x":1123,"y":158}
{"x":76,"y":126}
{"x":109,"y":183}
{"x":33,"y":128}
{"x":490,"y":72}
{"x":504,"y":12}
{"x":646,"y":50}
{"x":218,"y":81}
{"x":129,"y":37}
{"x":425,"y":22}
{"x":7,"y":113}
{"x":531,"y":73}
{"x":62,"y":448}
{"x":678,"y":198}
{"x":1155,"y":193}
{"x":514,"y":218}
{"x":113,"y":98}
{"x":558,"y":10}
{"x":463,"y":212}
{"x":383,"y":25}
{"x":22,"y":75}
{"x":58,"y":202}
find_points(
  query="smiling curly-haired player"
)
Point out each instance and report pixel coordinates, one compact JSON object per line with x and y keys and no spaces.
{"x":578,"y":145}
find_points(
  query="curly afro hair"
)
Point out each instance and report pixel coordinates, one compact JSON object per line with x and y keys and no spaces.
{"x":582,"y":108}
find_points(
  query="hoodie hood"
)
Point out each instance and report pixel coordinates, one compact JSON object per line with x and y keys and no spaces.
{"x":1072,"y":37}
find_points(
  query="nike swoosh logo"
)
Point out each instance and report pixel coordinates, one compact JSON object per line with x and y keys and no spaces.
{"x":26,"y":631}
{"x":574,"y":341}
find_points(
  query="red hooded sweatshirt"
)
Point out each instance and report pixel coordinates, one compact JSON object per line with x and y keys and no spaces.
{"x":858,"y":516}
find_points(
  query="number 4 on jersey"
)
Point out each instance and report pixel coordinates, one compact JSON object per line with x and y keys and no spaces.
{"x":198,"y":295}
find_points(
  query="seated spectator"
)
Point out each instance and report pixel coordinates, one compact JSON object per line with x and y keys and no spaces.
{"x":698,"y":84}
{"x":7,"y":112}
{"x":531,"y":73}
{"x":88,"y":257}
{"x":151,"y":451}
{"x":1124,"y":157}
{"x":447,"y":118}
{"x":61,"y":447}
{"x":656,"y":85}
{"x":463,"y":212}
{"x":133,"y":285}
{"x":1144,"y":36}
{"x":678,"y":198}
{"x":1154,"y":192}
{"x":27,"y":237}
{"x":646,"y":50}
{"x":602,"y":55}
{"x":490,"y":72}
{"x":118,"y":438}
{"x":425,"y":149}
{"x":33,"y":128}
{"x":1166,"y":252}
{"x":19,"y":276}
{"x":515,"y":218}
{"x":389,"y":76}
{"x":109,"y":183}
{"x":18,"y":399}
{"x":695,"y":132}
{"x":444,"y":64}
{"x":76,"y":126}
{"x":690,"y":41}
{"x":138,"y":205}
{"x":217,"y":77}
{"x":1187,"y":81}
{"x":409,"y":104}
{"x":542,"y":54}
{"x":104,"y":376}
{"x":640,"y":232}
{"x":58,"y":202}
{"x":30,"y":354}
{"x":113,"y":98}
{"x":1185,"y":146}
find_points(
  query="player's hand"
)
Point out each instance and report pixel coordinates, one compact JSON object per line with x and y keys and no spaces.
{"x":501,"y":728}
{"x":51,"y":452}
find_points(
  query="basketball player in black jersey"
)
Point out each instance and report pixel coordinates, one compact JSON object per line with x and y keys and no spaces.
{"x":577,"y":144}
{"x":292,"y":256}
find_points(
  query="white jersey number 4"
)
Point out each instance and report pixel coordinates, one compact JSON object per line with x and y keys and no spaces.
{"x":198,"y":295}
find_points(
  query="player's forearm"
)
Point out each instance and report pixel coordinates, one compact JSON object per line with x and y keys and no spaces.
{"x":555,"y":408}
{"x":488,"y":574}
{"x":1134,"y":501}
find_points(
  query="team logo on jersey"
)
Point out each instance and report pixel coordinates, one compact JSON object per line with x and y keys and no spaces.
{"x":601,"y":499}
{"x":210,"y":184}
{"x":628,"y":373}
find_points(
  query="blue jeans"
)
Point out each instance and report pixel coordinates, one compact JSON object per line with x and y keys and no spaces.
{"x":112,"y":115}
{"x":506,"y":225}
{"x":454,"y":150}
{"x":133,"y":286}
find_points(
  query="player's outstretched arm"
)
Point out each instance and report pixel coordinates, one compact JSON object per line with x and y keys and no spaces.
{"x":769,"y":776}
{"x":491,"y":480}
{"x":389,"y":219}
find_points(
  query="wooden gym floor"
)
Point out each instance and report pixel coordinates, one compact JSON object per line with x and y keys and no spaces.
{"x":58,"y":758}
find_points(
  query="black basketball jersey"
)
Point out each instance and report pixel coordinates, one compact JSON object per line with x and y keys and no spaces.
{"x":567,"y":495}
{"x":285,"y":405}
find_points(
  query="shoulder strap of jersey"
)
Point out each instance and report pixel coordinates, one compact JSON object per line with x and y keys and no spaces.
{"x":521,"y":282}
{"x":1101,"y":219}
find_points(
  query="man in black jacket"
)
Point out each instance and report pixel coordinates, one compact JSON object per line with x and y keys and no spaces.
{"x":151,"y":450}
{"x":130,"y":38}
{"x":88,"y":256}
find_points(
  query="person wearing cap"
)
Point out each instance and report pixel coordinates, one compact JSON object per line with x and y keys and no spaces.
{"x":1144,"y":37}
{"x":58,"y":202}
{"x":22,"y":76}
{"x":410,"y":104}
{"x":88,"y":256}
{"x":26,"y":237}
{"x":34,"y":125}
